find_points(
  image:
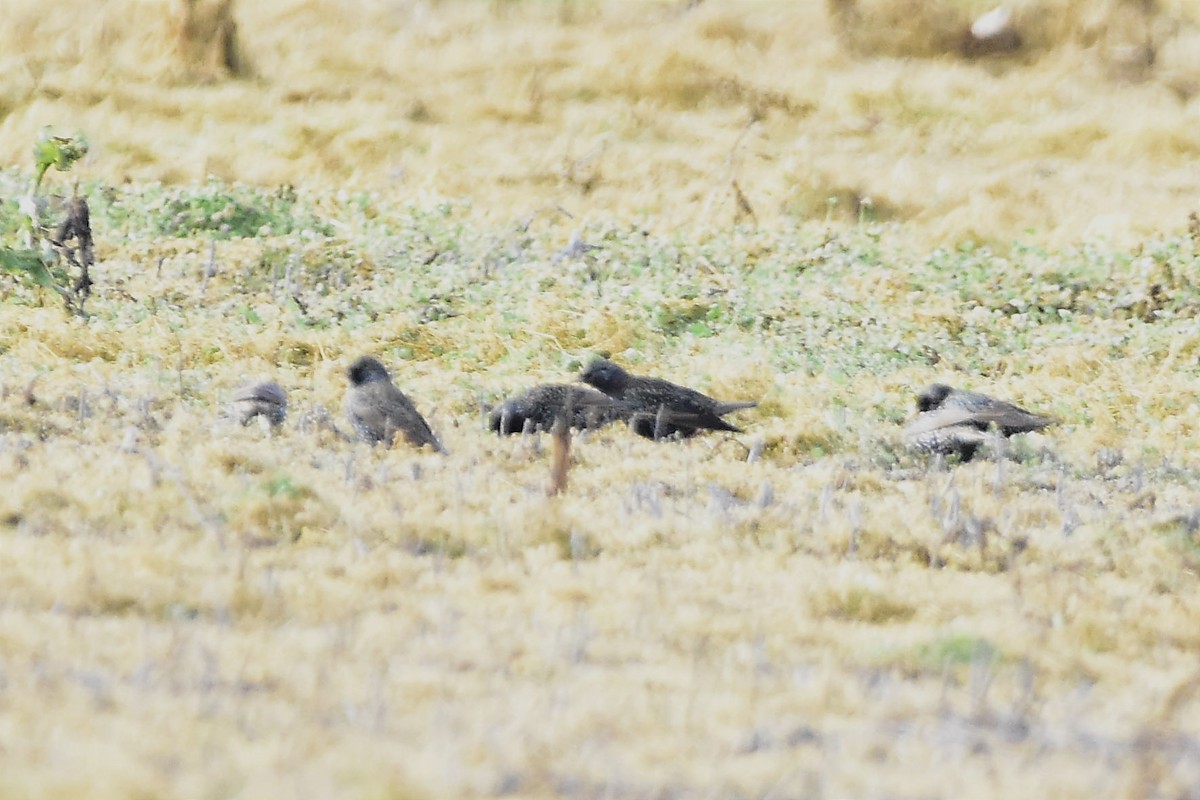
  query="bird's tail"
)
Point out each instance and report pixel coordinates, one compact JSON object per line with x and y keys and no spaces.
{"x":726,"y":408}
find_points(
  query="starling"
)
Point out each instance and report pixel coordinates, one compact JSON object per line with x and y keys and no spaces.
{"x":377,"y":410}
{"x":264,"y":399}
{"x":657,"y":408}
{"x":538,"y":408}
{"x":953,"y":421}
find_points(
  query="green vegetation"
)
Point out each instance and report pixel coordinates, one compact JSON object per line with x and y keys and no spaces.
{"x":799,"y":580}
{"x":822,"y":207}
{"x":216,"y":210}
{"x":60,"y":152}
{"x":44,"y":255}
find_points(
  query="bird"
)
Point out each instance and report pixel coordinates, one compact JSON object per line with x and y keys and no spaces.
{"x":657,"y":408}
{"x":265,"y":399}
{"x":955,"y":421}
{"x":377,"y":410}
{"x":538,"y":407}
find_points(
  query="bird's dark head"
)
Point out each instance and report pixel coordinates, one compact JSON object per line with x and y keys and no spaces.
{"x":933,"y":396}
{"x":270,"y":392}
{"x":263,"y":391}
{"x":366,"y":369}
{"x":605,"y":376}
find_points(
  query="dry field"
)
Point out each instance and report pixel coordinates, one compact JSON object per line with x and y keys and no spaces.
{"x":189,"y":608}
{"x":643,"y":108}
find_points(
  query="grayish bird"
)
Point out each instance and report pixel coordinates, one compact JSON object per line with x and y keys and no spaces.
{"x":955,"y":421}
{"x":538,"y":407}
{"x":659,"y":408}
{"x":264,"y":399}
{"x":377,"y":410}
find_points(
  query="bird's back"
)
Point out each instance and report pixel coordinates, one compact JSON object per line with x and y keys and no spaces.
{"x":266,"y":399}
{"x":378,"y":411}
{"x":656,"y":392}
{"x":669,"y":409}
{"x":986,"y":411}
{"x":540,"y":406}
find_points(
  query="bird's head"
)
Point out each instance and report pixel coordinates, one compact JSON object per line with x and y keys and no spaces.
{"x":366,"y":369}
{"x":605,"y":376}
{"x":932,"y":397}
{"x":270,"y":392}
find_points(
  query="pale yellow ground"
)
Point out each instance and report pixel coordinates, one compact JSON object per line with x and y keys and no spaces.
{"x":645,"y":108}
{"x":193,"y":609}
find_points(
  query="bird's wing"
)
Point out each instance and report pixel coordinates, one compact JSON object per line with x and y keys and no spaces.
{"x":975,"y":401}
{"x":403,"y":416}
{"x":686,"y":421}
{"x":653,"y":392}
{"x":1011,"y":418}
{"x":982,"y":415}
{"x":945,"y":417}
{"x":669,"y":415}
{"x":989,"y":410}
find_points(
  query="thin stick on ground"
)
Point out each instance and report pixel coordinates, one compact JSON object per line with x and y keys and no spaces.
{"x":560,"y":454}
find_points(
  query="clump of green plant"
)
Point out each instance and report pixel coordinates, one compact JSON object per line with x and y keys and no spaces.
{"x":223,"y":211}
{"x":42,"y":259}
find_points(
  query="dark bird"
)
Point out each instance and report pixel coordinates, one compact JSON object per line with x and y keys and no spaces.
{"x":263,"y":399}
{"x":658,"y":408}
{"x":377,"y":410}
{"x":955,"y":421}
{"x":541,"y":405}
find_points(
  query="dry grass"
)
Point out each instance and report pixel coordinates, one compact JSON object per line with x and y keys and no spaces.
{"x":194,"y":609}
{"x":642,"y":109}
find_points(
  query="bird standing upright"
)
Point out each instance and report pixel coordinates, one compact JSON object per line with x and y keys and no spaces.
{"x":659,"y":408}
{"x":956,"y":421}
{"x":377,"y":410}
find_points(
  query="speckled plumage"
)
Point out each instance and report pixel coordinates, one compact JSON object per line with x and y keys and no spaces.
{"x":657,"y":406}
{"x":538,"y":407}
{"x":377,"y":410}
{"x":265,"y":398}
{"x":955,"y":421}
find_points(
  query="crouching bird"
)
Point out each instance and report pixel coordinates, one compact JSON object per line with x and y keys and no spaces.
{"x":265,"y":399}
{"x":658,"y":409}
{"x":377,"y":410}
{"x":954,"y":421}
{"x":540,"y":406}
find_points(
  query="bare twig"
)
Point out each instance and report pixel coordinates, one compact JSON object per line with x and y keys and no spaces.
{"x":560,"y":457}
{"x":210,"y":269}
{"x":660,"y":422}
{"x":743,"y":205}
{"x":29,"y":397}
